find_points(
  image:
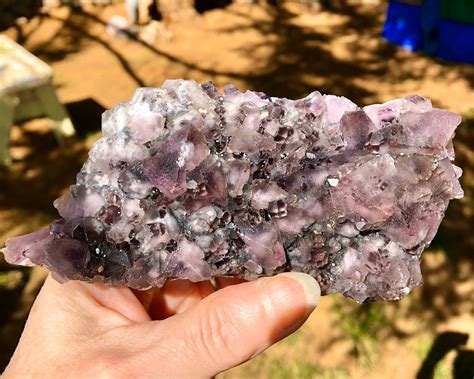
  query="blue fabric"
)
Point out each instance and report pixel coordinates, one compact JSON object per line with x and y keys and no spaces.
{"x":430,"y":13}
{"x":421,"y":27}
{"x":456,"y":41}
{"x":403,"y":26}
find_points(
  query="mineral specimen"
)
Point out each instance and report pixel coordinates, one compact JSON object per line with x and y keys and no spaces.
{"x":193,"y":184}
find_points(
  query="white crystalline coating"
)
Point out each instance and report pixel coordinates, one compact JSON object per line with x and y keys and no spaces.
{"x":193,"y":184}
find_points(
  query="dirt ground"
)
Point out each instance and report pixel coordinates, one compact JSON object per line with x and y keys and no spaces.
{"x":284,"y":50}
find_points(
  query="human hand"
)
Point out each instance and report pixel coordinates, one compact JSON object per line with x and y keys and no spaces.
{"x":185,"y":329}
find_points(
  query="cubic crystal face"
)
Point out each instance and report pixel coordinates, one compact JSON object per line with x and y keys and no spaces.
{"x":189,"y":183}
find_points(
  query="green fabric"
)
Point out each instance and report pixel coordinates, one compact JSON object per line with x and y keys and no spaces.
{"x":458,"y":10}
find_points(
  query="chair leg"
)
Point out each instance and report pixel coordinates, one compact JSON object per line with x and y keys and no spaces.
{"x":56,"y":112}
{"x":7,"y":109}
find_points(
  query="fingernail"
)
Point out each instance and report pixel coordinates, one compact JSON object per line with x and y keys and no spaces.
{"x":311,"y":289}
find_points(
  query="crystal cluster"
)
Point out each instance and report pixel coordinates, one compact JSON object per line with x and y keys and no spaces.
{"x":190,"y":183}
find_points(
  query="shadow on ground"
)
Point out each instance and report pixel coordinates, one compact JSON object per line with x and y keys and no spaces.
{"x":303,"y":58}
{"x":444,"y":343}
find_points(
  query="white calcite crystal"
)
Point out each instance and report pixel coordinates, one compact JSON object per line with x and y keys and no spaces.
{"x":189,"y":183}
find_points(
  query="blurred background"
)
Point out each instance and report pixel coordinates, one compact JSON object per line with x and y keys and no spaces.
{"x":82,"y":57}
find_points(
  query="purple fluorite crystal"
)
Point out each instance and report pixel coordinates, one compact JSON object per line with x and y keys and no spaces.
{"x":188,"y":183}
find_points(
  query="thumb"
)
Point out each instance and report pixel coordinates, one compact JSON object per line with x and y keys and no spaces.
{"x":232,"y":325}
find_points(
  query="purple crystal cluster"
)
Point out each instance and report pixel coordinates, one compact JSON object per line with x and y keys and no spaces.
{"x":190,"y":183}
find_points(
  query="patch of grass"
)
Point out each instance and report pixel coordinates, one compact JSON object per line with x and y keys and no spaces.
{"x":252,"y":369}
{"x":292,"y":339}
{"x":362,"y":325}
{"x":11,"y":280}
{"x":281,"y":369}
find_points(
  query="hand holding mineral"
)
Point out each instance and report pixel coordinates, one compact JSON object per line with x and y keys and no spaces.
{"x":183,"y":330}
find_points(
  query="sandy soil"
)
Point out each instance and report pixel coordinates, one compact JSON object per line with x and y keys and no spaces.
{"x":285,"y":51}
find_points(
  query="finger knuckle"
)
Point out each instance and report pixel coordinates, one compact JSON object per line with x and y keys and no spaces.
{"x":218,"y":334}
